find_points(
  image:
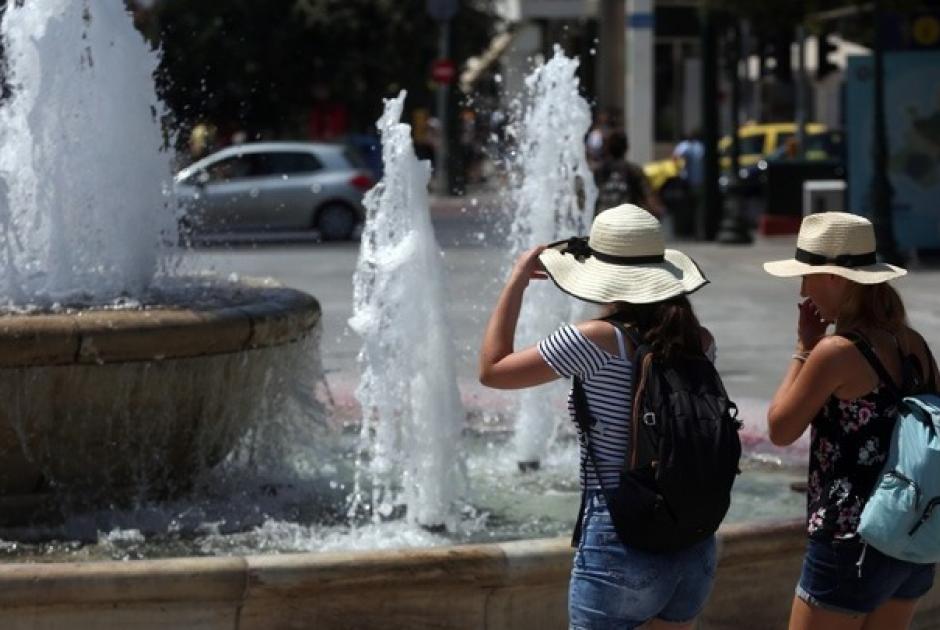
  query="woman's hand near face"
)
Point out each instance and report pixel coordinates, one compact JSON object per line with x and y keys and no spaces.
{"x":811,"y":327}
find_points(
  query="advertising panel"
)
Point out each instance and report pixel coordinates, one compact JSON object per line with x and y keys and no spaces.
{"x":912,"y":117}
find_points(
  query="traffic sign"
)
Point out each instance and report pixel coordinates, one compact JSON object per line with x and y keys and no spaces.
{"x":443,"y":71}
{"x":442,"y":10}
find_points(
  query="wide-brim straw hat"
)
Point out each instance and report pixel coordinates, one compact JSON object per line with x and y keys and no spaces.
{"x":838,"y":243}
{"x":623,"y":260}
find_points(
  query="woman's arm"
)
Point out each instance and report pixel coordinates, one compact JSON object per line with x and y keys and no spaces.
{"x":804,"y":390}
{"x":809,"y":380}
{"x":500,"y":366}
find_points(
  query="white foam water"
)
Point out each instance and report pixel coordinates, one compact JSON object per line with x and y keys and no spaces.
{"x":412,"y":414}
{"x":83,"y":173}
{"x":553,"y":193}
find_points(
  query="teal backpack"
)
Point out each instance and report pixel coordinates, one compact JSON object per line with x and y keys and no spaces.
{"x":902,"y":516}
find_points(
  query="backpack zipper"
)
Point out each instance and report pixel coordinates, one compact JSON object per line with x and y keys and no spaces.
{"x":934,"y":502}
{"x":907,"y":480}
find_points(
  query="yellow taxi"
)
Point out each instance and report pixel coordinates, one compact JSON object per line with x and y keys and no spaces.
{"x":756,"y":141}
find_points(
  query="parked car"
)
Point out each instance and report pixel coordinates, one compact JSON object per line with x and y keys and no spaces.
{"x":756,"y":140}
{"x":275,"y":186}
{"x":823,"y":148}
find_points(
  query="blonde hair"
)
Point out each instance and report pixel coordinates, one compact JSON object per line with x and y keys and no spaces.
{"x":871,"y":305}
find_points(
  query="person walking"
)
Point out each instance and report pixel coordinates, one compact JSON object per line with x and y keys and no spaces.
{"x":624,"y":267}
{"x":620,"y":181}
{"x":689,"y":154}
{"x":831,"y":387}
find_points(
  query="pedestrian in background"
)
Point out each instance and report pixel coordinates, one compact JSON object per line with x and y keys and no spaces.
{"x":690,"y":155}
{"x":831,"y":387}
{"x":620,"y":181}
{"x":643,"y":285}
{"x":595,"y":144}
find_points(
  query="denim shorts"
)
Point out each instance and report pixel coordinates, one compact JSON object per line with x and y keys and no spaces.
{"x":853,"y":578}
{"x":615,"y":586}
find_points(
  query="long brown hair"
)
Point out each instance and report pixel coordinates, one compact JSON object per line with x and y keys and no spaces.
{"x":871,"y":305}
{"x":670,"y":327}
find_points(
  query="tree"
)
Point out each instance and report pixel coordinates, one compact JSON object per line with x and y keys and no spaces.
{"x":260,"y":66}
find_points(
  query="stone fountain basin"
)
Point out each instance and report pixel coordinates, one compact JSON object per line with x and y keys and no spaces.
{"x":500,"y":586}
{"x":142,"y":399}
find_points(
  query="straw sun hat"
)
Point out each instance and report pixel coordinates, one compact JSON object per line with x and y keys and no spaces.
{"x":624,"y":260}
{"x":838,"y":243}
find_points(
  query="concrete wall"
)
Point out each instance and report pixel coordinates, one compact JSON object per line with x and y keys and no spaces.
{"x":514,"y":585}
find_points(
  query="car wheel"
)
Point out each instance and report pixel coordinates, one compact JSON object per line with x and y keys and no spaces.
{"x":336,"y":222}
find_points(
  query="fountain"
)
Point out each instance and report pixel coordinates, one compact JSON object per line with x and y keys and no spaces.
{"x":411,"y":411}
{"x":553,"y":193}
{"x":123,"y":377}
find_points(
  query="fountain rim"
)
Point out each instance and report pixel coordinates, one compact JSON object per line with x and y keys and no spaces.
{"x":262,"y":314}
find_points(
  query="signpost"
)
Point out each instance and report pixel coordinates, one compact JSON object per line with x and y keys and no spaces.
{"x":443,"y":72}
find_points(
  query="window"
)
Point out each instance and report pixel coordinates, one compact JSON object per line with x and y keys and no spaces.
{"x":751,"y":145}
{"x":748,"y":145}
{"x":283,"y":163}
{"x":354,"y":158}
{"x":236,"y":167}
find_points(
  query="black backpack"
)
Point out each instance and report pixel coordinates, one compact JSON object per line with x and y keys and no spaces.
{"x":619,"y":183}
{"x":675,"y":487}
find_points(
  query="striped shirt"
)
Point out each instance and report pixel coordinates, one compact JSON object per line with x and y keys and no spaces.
{"x":608,"y":386}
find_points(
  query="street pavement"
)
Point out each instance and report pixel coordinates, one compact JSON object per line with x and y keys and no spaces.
{"x":752,"y":315}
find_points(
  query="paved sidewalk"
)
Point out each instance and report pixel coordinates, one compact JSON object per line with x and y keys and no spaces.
{"x":752,"y":314}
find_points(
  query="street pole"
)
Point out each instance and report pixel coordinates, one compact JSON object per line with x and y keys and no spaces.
{"x":443,"y":180}
{"x":801,"y":90}
{"x":733,"y":229}
{"x":882,"y":192}
{"x":611,"y":67}
{"x":442,"y":11}
{"x":709,"y":209}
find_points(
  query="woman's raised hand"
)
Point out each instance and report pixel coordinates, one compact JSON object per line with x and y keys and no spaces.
{"x":528,"y":266}
{"x":811,"y":326}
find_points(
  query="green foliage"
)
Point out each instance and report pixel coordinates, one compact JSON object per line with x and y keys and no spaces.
{"x":260,"y":66}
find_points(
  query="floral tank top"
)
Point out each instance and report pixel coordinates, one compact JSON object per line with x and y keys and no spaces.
{"x":848,"y":446}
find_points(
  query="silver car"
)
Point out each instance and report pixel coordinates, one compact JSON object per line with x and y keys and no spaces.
{"x":274,"y":186}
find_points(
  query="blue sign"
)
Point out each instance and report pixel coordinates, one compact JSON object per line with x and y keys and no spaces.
{"x":641,"y":20}
{"x":912,"y":120}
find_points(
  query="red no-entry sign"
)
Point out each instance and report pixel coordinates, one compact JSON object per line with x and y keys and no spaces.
{"x":443,"y":71}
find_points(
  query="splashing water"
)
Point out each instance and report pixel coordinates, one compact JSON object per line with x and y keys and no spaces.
{"x":553,"y":192}
{"x":412,"y":415}
{"x":82,"y":173}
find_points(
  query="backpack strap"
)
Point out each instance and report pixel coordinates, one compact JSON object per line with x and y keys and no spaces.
{"x":584,"y":420}
{"x":933,"y":374}
{"x":927,"y":376}
{"x":864,"y":346}
{"x":642,"y":385}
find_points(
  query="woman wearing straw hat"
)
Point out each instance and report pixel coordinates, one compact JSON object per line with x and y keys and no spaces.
{"x":833,"y":388}
{"x":624,"y":266}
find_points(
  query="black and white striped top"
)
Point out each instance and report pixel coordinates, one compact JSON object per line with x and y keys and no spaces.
{"x":608,"y":386}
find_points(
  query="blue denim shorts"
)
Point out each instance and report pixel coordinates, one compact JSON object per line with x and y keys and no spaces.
{"x":855,"y":579}
{"x":614,"y":586}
